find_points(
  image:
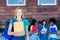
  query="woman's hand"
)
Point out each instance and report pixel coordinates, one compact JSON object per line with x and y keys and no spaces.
{"x":43,"y":30}
{"x":19,"y":33}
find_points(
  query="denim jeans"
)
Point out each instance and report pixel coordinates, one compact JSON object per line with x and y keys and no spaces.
{"x":34,"y":37}
{"x":18,"y":38}
{"x":52,"y":38}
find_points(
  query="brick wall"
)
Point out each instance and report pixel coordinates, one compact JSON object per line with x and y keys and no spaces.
{"x":31,"y":9}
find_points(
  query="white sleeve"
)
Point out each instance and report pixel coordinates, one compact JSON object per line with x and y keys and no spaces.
{"x":56,"y":27}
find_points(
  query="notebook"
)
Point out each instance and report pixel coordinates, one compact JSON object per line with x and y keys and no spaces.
{"x":19,"y":27}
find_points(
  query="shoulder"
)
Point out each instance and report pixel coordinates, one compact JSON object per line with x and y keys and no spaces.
{"x":46,"y":25}
{"x":40,"y":25}
{"x":25,"y":20}
{"x":11,"y":20}
{"x":50,"y":26}
{"x":55,"y":26}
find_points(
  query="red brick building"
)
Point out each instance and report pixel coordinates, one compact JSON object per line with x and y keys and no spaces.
{"x":31,"y":10}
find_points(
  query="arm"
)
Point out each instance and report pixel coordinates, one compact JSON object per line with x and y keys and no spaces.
{"x":9,"y":30}
{"x":47,"y":30}
{"x":13,"y":33}
{"x":31,"y":29}
{"x":56,"y":30}
{"x":27,"y":34}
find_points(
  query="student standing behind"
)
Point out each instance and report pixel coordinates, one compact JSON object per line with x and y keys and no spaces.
{"x":53,"y":29}
{"x":34,"y":30}
{"x":43,"y":30}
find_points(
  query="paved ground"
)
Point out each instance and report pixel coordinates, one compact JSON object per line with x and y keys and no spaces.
{"x":2,"y":38}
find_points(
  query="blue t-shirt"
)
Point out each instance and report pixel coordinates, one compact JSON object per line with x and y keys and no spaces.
{"x":53,"y":28}
{"x":40,"y":28}
{"x":43,"y":35}
{"x":25,"y":21}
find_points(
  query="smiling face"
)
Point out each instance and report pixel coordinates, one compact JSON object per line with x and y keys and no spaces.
{"x":44,"y":22}
{"x":51,"y":23}
{"x":19,"y":13}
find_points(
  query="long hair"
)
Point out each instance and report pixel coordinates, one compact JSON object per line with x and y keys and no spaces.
{"x":15,"y":13}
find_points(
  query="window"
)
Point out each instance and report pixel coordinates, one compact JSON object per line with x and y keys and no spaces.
{"x":16,"y":2}
{"x":47,"y":2}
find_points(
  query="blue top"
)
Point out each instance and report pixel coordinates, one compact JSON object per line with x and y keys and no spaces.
{"x":25,"y":21}
{"x":43,"y":35}
{"x":40,"y":27}
{"x":53,"y":28}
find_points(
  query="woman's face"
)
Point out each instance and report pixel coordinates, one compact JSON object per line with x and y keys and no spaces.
{"x":44,"y":22}
{"x":51,"y":23}
{"x":19,"y":13}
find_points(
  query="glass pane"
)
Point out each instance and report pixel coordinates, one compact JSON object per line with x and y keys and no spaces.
{"x":46,"y":1}
{"x":21,"y":1}
{"x":15,"y":1}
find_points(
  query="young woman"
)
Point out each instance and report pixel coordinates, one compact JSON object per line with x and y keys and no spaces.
{"x":53,"y":29}
{"x":43,"y":30}
{"x":34,"y":30}
{"x":18,"y":17}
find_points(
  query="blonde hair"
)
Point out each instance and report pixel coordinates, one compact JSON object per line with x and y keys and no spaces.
{"x":15,"y":15}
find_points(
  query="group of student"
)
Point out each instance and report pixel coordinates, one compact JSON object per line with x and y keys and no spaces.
{"x":42,"y":31}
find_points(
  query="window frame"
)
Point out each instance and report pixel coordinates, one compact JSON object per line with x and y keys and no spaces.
{"x":16,"y":4}
{"x":48,"y":3}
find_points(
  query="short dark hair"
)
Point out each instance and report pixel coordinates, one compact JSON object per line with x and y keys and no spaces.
{"x":52,"y":20}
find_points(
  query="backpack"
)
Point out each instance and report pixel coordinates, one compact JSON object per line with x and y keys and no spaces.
{"x":5,"y":33}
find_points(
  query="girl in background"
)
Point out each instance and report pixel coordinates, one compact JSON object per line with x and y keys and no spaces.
{"x":34,"y":30}
{"x":43,"y":30}
{"x":53,"y":29}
